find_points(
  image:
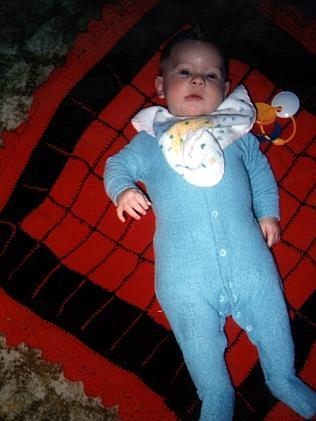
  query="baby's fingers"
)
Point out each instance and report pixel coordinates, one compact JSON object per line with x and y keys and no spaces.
{"x":141,"y":204}
{"x":120,"y":214}
{"x":272,"y":239}
{"x":129,"y":210}
{"x":138,"y":207}
{"x":134,"y":209}
{"x":133,"y":203}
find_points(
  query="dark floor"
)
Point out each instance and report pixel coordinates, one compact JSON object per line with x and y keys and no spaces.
{"x":35,"y":37}
{"x":31,"y":389}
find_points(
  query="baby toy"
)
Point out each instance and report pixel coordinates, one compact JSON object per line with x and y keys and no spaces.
{"x":284,"y":105}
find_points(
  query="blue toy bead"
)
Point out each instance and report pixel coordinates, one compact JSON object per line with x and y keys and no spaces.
{"x":277,"y":130}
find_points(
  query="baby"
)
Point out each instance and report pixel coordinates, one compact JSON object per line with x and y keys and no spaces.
{"x":216,"y":205}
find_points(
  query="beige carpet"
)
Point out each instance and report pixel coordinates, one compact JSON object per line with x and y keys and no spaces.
{"x":32,"y":389}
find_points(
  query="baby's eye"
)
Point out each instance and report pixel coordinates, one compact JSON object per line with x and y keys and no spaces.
{"x":211,"y":76}
{"x":184,"y":72}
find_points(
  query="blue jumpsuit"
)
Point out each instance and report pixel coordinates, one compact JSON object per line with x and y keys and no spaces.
{"x":211,"y":262}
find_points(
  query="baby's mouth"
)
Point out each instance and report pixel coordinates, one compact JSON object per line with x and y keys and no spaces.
{"x":194,"y":97}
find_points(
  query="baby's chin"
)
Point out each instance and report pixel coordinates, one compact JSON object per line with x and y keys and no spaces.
{"x":192,"y":112}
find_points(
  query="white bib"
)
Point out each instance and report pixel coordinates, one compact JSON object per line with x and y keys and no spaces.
{"x":193,"y":146}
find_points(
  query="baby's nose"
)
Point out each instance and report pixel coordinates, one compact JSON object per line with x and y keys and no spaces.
{"x":198,"y":80}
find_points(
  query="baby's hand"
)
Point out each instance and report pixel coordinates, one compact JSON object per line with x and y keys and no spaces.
{"x":133,"y":202}
{"x":271,"y":230}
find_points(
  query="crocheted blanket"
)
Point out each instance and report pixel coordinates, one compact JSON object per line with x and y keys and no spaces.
{"x":77,"y":283}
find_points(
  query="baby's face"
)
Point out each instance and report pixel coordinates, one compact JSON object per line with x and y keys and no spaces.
{"x":192,"y":80}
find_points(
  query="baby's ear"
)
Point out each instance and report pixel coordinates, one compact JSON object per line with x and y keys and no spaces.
{"x":227,"y":87}
{"x":159,"y":86}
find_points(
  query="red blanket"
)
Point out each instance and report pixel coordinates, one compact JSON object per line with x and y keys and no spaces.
{"x":77,"y":283}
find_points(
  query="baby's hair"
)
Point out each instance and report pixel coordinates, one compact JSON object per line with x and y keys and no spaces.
{"x":194,"y":35}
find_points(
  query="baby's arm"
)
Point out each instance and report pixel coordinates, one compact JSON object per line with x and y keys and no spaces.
{"x":122,"y":171}
{"x":264,"y":190}
{"x":133,"y":202}
{"x":271,"y":230}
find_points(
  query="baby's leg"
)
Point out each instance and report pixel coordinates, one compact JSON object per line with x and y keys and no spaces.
{"x":199,"y":331}
{"x":267,"y":323}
